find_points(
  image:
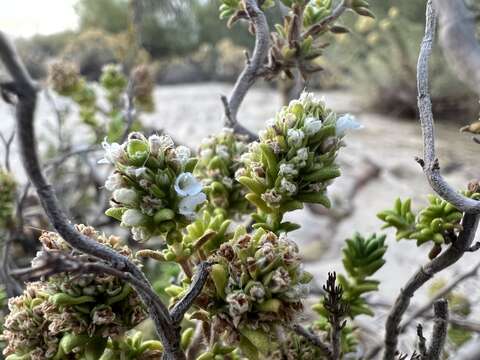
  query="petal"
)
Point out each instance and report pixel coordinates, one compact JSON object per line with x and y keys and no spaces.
{"x":186,"y":184}
{"x":188,"y":205}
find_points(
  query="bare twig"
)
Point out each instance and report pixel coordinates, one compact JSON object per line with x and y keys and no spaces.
{"x":431,"y":169}
{"x":441,"y":294}
{"x":439,"y":333}
{"x":199,"y":280}
{"x":129,"y":111}
{"x":252,"y":69}
{"x":313,"y":339}
{"x":430,"y":163}
{"x":425,"y":273}
{"x":7,"y":143}
{"x":422,"y":347}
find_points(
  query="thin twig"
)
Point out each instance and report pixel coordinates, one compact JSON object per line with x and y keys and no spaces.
{"x":422,"y":347}
{"x":313,"y":339}
{"x":431,"y":169}
{"x":425,"y":273}
{"x":439,"y":333}
{"x":129,"y":111}
{"x":252,"y":69}
{"x":7,"y":143}
{"x":430,"y":163}
{"x":185,"y":303}
{"x":441,"y":294}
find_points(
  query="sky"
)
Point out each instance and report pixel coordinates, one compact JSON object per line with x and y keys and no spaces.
{"x":23,"y":18}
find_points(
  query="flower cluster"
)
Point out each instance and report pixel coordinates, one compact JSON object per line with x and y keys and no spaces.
{"x":218,"y":162}
{"x":143,"y":84}
{"x":71,"y":315}
{"x":438,"y":222}
{"x":154,"y":191}
{"x":294,"y":161}
{"x":8,"y":188}
{"x":114,"y":81}
{"x":257,"y":284}
{"x":64,"y":77}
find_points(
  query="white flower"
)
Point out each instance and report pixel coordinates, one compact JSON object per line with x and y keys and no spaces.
{"x":222,"y":151}
{"x":141,"y":171}
{"x":114,"y":152}
{"x":182,"y":154}
{"x":240,"y":172}
{"x":287,"y":169}
{"x":312,"y":125}
{"x":288,"y":187}
{"x":295,"y":137}
{"x":345,"y":123}
{"x":125,"y":196}
{"x":114,"y":182}
{"x":186,"y":184}
{"x":302,"y":154}
{"x":188,"y":204}
{"x":132,"y":217}
{"x":270,"y":122}
{"x":140,"y":233}
{"x":206,"y":153}
{"x":160,"y":143}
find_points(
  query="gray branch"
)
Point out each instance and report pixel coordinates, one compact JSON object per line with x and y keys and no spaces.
{"x":441,"y":294}
{"x":313,"y":339}
{"x":252,"y":68}
{"x":185,"y":303}
{"x":430,"y":163}
{"x":439,"y":333}
{"x":446,"y":259}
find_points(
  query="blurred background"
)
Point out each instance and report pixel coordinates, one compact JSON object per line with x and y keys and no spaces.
{"x":186,"y":42}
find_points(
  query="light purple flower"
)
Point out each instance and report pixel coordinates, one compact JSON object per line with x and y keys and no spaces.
{"x":188,"y":205}
{"x":186,"y":184}
{"x":345,"y":123}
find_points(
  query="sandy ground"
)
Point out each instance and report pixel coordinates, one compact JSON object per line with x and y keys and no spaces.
{"x":191,"y":112}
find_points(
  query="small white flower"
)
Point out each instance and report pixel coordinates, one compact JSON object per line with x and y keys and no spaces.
{"x":114,"y":152}
{"x":206,"y":153}
{"x":270,"y":122}
{"x":160,"y":143}
{"x":141,"y":171}
{"x":140,"y":233}
{"x":290,"y":119}
{"x":295,"y":137}
{"x":287,"y":170}
{"x":114,"y":182}
{"x":182,"y":154}
{"x":188,"y":204}
{"x":125,"y":196}
{"x":302,"y":154}
{"x":228,"y":182}
{"x":186,"y":184}
{"x":288,"y":187}
{"x":240,"y":172}
{"x":312,"y":125}
{"x":307,"y":98}
{"x":222,"y":151}
{"x":132,"y":217}
{"x":345,"y":123}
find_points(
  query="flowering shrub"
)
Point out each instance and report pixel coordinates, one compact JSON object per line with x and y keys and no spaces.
{"x":71,"y":315}
{"x":237,"y":285}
